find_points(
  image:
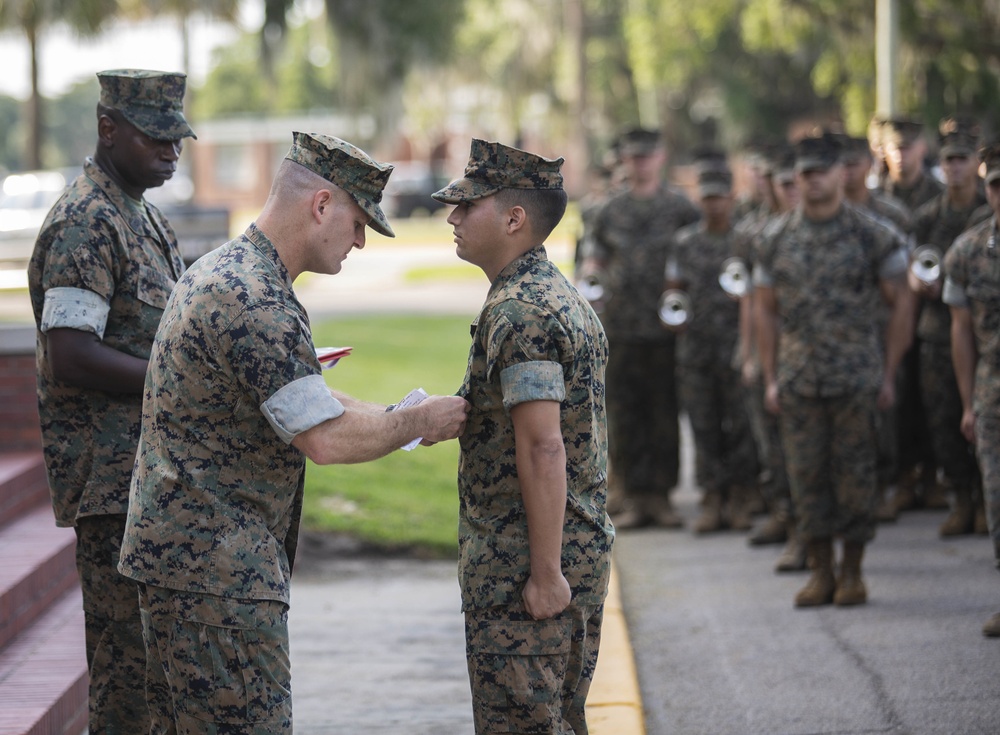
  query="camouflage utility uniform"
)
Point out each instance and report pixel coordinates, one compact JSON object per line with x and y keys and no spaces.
{"x":829,"y":362}
{"x":710,"y":389}
{"x":972,"y":267}
{"x":103,"y":263}
{"x":217,"y":490}
{"x":634,"y":237}
{"x":938,"y":224}
{"x":535,"y":339}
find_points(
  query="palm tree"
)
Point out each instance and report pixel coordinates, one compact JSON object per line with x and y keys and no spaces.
{"x":33,"y":17}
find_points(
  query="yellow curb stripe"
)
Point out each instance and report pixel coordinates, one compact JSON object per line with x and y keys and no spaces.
{"x":614,"y":706}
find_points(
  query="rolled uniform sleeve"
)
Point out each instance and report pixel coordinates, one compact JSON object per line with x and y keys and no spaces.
{"x":894,"y":264}
{"x":532,"y":381}
{"x":299,"y":406}
{"x":74,"y":308}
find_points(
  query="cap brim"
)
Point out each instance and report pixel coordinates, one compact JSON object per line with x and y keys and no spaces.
{"x":378,"y":221}
{"x":161,"y":126}
{"x":813,"y":164}
{"x":463,"y":190}
{"x":714,"y":190}
{"x":957,"y":150}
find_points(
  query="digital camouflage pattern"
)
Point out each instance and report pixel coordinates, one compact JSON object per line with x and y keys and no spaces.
{"x":938,"y":224}
{"x":535,"y":339}
{"x":116,"y":655}
{"x":633,"y":238}
{"x":217,"y":491}
{"x":925,"y":188}
{"x":709,"y":381}
{"x":495,"y":166}
{"x":153,"y":101}
{"x":350,"y":168}
{"x":830,"y":451}
{"x":120,"y":257}
{"x":972,"y":270}
{"x":515,"y":662}
{"x":217,"y":665}
{"x":826,"y":282}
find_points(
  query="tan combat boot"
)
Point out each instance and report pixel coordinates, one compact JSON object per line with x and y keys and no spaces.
{"x":793,"y":556}
{"x":991,"y":629}
{"x":821,"y":585}
{"x":739,"y":509}
{"x":710,"y":519}
{"x":961,"y":520}
{"x":850,"y":586}
{"x":980,"y":525}
{"x":906,"y":493}
{"x":662,"y":512}
{"x":935,"y":493}
{"x":773,"y":530}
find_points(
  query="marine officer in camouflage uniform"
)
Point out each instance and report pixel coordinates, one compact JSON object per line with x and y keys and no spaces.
{"x":103,"y":266}
{"x":234,"y":403}
{"x":632,"y":237}
{"x":904,"y":145}
{"x":534,"y":538}
{"x":708,"y":373}
{"x":823,"y":268}
{"x":938,"y":223}
{"x":972,"y":292}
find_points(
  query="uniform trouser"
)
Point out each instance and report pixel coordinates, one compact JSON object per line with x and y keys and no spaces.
{"x":943,"y":407}
{"x":913,"y":443}
{"x":531,"y":676}
{"x":767,"y":436}
{"x":988,"y":449}
{"x":830,"y":452}
{"x":216,"y":666}
{"x":116,"y":657}
{"x":725,"y":455}
{"x":643,"y":429}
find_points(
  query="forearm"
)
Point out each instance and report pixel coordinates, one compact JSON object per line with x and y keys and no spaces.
{"x":83,"y":360}
{"x":964,"y":357}
{"x":541,"y":471}
{"x":766,"y":322}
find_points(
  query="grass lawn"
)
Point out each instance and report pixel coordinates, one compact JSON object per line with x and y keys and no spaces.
{"x":408,"y":500}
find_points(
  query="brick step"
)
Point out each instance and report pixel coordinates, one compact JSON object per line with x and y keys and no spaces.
{"x":43,"y":674}
{"x":39,"y":565}
{"x":23,"y":484}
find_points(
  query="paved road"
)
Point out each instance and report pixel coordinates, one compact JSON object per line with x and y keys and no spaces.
{"x":721,"y":650}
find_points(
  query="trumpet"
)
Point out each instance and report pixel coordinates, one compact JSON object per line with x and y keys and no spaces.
{"x":592,"y":288}
{"x":735,"y":278}
{"x":926,"y":264}
{"x":675,"y":308}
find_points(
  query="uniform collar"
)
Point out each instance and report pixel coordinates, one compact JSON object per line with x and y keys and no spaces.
{"x":266,"y":248}
{"x":139,"y":225}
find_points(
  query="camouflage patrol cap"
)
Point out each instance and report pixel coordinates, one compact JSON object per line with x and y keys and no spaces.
{"x":990,"y":157}
{"x":781,"y":161}
{"x":817,"y":153}
{"x":855,"y":149}
{"x":153,"y":101}
{"x":715,"y":182}
{"x":958,"y":136}
{"x":494,"y":166}
{"x":900,"y":131}
{"x":350,"y":168}
{"x":639,"y":142}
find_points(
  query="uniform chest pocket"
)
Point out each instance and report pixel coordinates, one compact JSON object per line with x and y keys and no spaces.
{"x":153,"y":288}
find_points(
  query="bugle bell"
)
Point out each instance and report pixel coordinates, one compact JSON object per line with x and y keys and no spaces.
{"x":675,"y":308}
{"x":592,"y":288}
{"x":735,"y":278}
{"x":926,"y":263}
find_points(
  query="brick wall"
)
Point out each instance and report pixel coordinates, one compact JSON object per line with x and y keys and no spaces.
{"x":19,"y":428}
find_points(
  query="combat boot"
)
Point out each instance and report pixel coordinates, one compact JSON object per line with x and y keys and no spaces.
{"x":850,"y":586}
{"x":739,"y":509}
{"x":962,"y":517}
{"x":774,"y":530}
{"x":821,"y":585}
{"x":935,"y":493}
{"x":991,"y":629}
{"x":980,"y":525}
{"x":793,"y":556}
{"x":630,"y":514}
{"x":906,"y":494}
{"x":710,"y":519}
{"x":662,"y":512}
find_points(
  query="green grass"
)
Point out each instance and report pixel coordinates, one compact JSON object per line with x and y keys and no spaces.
{"x":408,"y":500}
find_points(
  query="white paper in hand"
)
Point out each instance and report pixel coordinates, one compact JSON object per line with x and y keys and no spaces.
{"x":412,"y":398}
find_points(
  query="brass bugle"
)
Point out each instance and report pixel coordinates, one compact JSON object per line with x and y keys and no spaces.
{"x":926,"y":263}
{"x":735,"y":278}
{"x":675,"y":308}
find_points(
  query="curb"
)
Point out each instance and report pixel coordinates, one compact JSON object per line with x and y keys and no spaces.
{"x":614,"y":706}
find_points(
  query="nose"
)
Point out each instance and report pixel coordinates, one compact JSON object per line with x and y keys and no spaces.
{"x":171,"y":149}
{"x":453,"y":218}
{"x":359,"y":241}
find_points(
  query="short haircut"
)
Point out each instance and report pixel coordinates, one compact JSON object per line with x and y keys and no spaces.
{"x":545,"y":207}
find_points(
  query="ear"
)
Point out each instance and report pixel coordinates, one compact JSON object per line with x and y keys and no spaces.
{"x":517,"y":219}
{"x":321,"y":202}
{"x":106,"y":130}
